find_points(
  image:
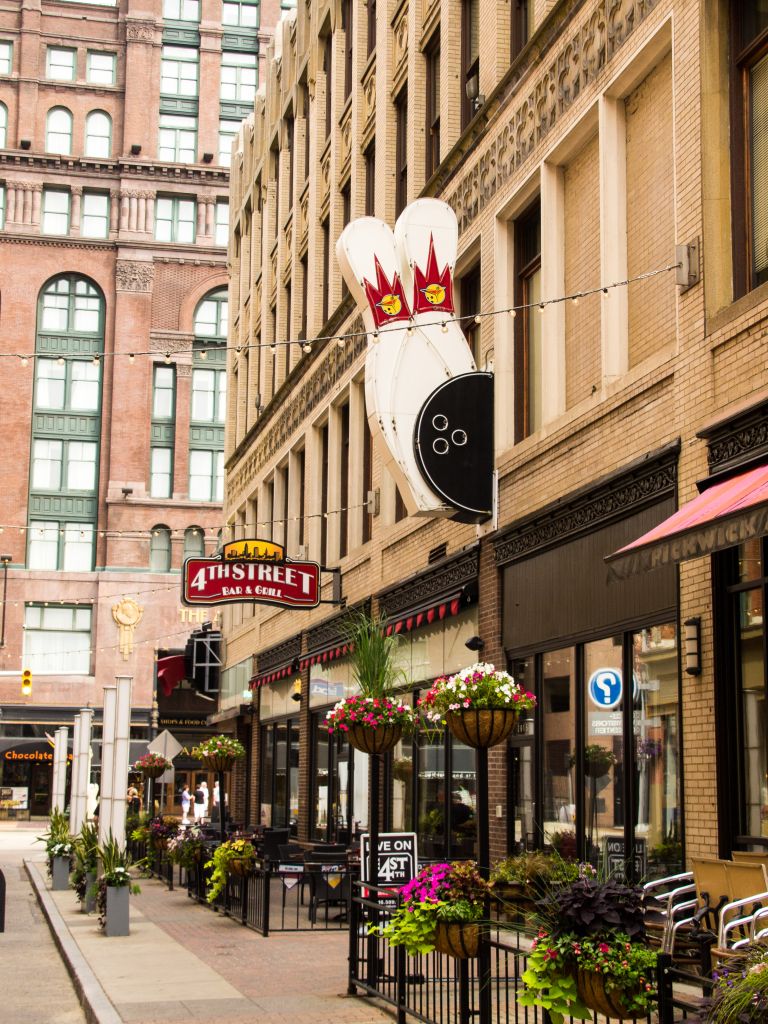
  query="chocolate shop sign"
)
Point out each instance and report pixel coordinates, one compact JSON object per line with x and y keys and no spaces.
{"x":256,"y":571}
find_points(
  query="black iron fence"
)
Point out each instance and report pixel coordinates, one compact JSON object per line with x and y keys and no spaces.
{"x":438,"y":989}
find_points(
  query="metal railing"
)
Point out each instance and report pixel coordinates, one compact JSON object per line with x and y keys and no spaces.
{"x":437,"y":989}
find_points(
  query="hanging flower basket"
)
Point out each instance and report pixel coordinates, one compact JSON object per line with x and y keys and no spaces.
{"x":592,"y":992}
{"x":152,"y":765}
{"x":152,"y":771}
{"x":482,"y":728}
{"x":240,"y":866}
{"x":218,"y":753}
{"x":457,"y":939}
{"x":374,"y":741}
{"x":218,"y":762}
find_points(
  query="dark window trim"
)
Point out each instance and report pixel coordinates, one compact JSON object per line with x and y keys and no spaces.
{"x":432,"y":107}
{"x":523,"y":273}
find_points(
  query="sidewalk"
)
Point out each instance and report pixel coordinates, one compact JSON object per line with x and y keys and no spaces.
{"x":184,"y":962}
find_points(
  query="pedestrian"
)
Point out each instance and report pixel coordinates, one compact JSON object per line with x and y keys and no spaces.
{"x":201,"y":802}
{"x":132,"y":798}
{"x":215,"y":810}
{"x":186,"y":800}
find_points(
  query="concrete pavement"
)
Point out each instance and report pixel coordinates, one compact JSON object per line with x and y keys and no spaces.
{"x":185,"y":962}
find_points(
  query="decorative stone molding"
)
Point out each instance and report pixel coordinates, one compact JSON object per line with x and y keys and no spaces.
{"x":332,"y":631}
{"x":303,"y":231}
{"x":127,"y":615}
{"x":617,"y":496}
{"x":325,"y":181}
{"x":134,"y":276}
{"x":369,"y":103}
{"x":430,"y":15}
{"x":280,"y":655}
{"x":288,"y":247}
{"x":139,"y":31}
{"x":557,"y":79}
{"x":737,"y":440}
{"x":444,"y":579}
{"x":399,"y":48}
{"x":346,"y":143}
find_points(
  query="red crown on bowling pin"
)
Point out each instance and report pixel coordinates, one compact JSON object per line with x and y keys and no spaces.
{"x":386,"y":299}
{"x":433,"y":289}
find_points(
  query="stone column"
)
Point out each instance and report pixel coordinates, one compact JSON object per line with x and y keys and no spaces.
{"x":114,"y":209}
{"x":36,"y":195}
{"x":124,"y":206}
{"x":74,"y":219}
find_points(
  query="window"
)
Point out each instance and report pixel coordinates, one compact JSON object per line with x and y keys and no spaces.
{"x":57,"y":640}
{"x":160,"y":472}
{"x":306,"y":110}
{"x":71,"y":304}
{"x":60,"y":64}
{"x":470,"y":304}
{"x":194,"y":542}
{"x":325,"y":230}
{"x":371,"y":26}
{"x":46,"y":465}
{"x":211,"y":316}
{"x":98,"y":134}
{"x":346,"y":25}
{"x":206,"y":476}
{"x":239,"y":76}
{"x":81,"y":465}
{"x":60,"y":546}
{"x":50,"y":385}
{"x":528,"y":334}
{"x":432,"y":148}
{"x":244,"y":14}
{"x":58,"y":131}
{"x":327,"y":64}
{"x":401,"y":151}
{"x":175,"y":219}
{"x":100,"y":68}
{"x":221,"y":234}
{"x":522,"y":22}
{"x":94,"y":221}
{"x":84,"y":386}
{"x":470,"y":58}
{"x":181,"y":10}
{"x":3,"y":126}
{"x":209,"y":396}
{"x":227,"y":132}
{"x":178,"y":71}
{"x":163,"y":393}
{"x":55,"y":219}
{"x":6,"y":57}
{"x":2,"y":206}
{"x":178,"y":138}
{"x":160,"y":549}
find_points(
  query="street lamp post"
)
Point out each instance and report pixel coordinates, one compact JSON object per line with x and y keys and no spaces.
{"x":5,"y":559}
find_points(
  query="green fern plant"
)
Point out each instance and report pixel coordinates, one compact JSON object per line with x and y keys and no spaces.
{"x":373,"y":655}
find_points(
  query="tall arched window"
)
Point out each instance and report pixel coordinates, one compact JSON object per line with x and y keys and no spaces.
{"x":160,"y":549}
{"x":98,"y":134}
{"x":209,"y":399}
{"x":3,"y":126}
{"x":194,"y":542}
{"x":66,"y":425}
{"x":58,"y":131}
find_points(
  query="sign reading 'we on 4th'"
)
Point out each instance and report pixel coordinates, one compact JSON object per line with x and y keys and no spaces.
{"x":397,"y":859}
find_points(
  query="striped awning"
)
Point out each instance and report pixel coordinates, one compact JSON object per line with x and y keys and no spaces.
{"x":434,"y":611}
{"x":265,"y":678}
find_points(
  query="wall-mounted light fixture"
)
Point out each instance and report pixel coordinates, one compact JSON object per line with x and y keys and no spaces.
{"x":135,"y":149}
{"x":207,"y":158}
{"x":475,"y":643}
{"x":126,"y":491}
{"x":472,"y":89}
{"x":692,"y":646}
{"x":296,"y":690}
{"x":25,"y":143}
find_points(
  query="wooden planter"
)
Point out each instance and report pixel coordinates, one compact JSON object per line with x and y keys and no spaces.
{"x":460,"y":940}
{"x":591,"y":989}
{"x":482,"y":728}
{"x":218,"y":763}
{"x":374,"y":741}
{"x":153,"y":771}
{"x":240,"y":866}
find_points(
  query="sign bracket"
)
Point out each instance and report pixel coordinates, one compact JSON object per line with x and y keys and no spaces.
{"x":337,"y":597}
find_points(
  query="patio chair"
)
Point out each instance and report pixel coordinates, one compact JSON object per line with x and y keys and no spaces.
{"x":273,"y":840}
{"x":748,"y":888}
{"x":660,"y":896}
{"x":692,"y":925}
{"x":327,"y":888}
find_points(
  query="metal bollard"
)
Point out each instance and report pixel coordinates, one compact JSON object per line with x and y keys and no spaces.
{"x":2,"y":901}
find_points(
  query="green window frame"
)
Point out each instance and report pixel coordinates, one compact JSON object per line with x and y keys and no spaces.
{"x":242,"y":13}
{"x":58,"y":131}
{"x":57,"y":640}
{"x":221,"y":233}
{"x":3,"y":126}
{"x":194,"y":542}
{"x":55,"y":212}
{"x":239,"y":76}
{"x":2,"y":206}
{"x":98,"y":134}
{"x":72,"y":305}
{"x":177,"y":138}
{"x":60,"y":546}
{"x":100,"y":67}
{"x":227,"y":132}
{"x":60,"y":64}
{"x":179,"y":71}
{"x":160,"y":472}
{"x":206,"y":475}
{"x":6,"y":57}
{"x":160,"y":549}
{"x":94,"y":218}
{"x":47,"y":463}
{"x":212,"y":316}
{"x":181,"y":10}
{"x":209,"y":395}
{"x":175,"y":219}
{"x":163,"y":393}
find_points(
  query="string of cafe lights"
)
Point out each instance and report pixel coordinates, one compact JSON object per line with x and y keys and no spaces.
{"x":306,"y":344}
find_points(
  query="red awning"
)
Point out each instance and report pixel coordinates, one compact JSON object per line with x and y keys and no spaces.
{"x":445,"y":608}
{"x":722,"y":516}
{"x":271,"y":677}
{"x":170,"y":672}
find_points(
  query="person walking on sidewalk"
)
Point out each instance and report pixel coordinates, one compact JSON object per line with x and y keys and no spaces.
{"x":186,"y":800}
{"x":201,"y":802}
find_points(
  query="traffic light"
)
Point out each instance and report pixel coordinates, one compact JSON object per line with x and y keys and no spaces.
{"x":26,"y":683}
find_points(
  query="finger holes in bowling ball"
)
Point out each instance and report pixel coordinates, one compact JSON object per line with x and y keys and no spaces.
{"x":440,"y":446}
{"x":459,"y":438}
{"x":440,"y":422}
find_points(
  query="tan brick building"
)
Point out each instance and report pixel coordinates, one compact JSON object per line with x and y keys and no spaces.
{"x":116,"y":126}
{"x":598,"y":138}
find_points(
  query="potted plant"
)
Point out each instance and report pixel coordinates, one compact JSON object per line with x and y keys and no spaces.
{"x":589,"y":955}
{"x":58,"y":849}
{"x":373,"y":720}
{"x":219,"y":753}
{"x":598,"y":760}
{"x":480,"y":705}
{"x":83,"y":878}
{"x":236,"y":856}
{"x":185,"y":847}
{"x":161,"y":829}
{"x":740,"y":993}
{"x":442,"y":908}
{"x":152,"y":765}
{"x":113,"y":889}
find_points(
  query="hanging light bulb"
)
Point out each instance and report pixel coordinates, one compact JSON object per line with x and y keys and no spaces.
{"x":341,"y":342}
{"x":131,"y":358}
{"x":513,"y":313}
{"x":203,"y":353}
{"x":60,"y":360}
{"x":167,"y":357}
{"x":444,"y":327}
{"x":306,"y":347}
{"x":24,"y":361}
{"x":574,"y":300}
{"x":478,"y":318}
{"x":96,"y":359}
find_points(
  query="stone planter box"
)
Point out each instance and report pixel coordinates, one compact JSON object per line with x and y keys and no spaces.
{"x":60,"y":873}
{"x":117,"y":910}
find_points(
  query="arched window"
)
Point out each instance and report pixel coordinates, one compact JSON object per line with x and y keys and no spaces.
{"x":3,"y":126}
{"x":211,"y":316}
{"x":160,"y":549}
{"x":71,"y":304}
{"x":58,"y":131}
{"x":98,"y":134}
{"x":194,"y":542}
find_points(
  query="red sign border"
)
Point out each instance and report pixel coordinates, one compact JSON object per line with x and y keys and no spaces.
{"x":208,"y":602}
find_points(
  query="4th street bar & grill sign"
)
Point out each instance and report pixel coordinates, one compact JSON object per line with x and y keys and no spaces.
{"x":254,"y":571}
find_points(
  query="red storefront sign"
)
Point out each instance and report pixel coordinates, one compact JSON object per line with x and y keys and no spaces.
{"x":211,"y":581}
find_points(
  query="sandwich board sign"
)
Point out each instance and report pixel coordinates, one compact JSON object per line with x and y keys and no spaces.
{"x":397,"y":860}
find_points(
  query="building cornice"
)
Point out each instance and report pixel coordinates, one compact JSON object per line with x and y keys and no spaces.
{"x":184,"y":173}
{"x":59,"y":243}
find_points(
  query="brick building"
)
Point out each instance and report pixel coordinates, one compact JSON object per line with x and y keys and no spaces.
{"x":568,"y":138}
{"x":114,"y":175}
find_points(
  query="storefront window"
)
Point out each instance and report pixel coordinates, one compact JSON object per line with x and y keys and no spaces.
{"x":267,"y":773}
{"x":603,"y":746}
{"x":463,"y":807}
{"x":280,"y":775}
{"x":321,"y":781}
{"x":558,"y":727}
{"x":753,"y":708}
{"x":432,"y":800}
